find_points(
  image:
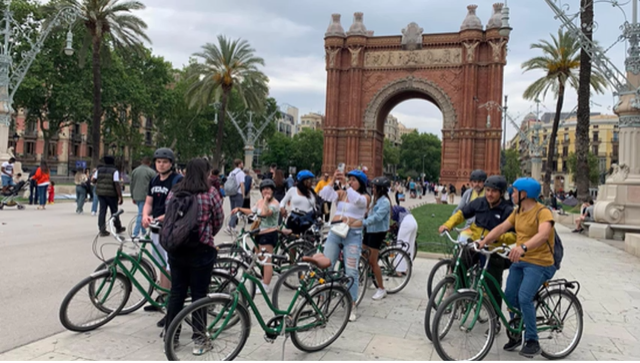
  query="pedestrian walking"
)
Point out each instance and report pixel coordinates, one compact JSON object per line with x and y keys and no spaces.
{"x":80,"y":179}
{"x":452,"y":193}
{"x":107,"y":181}
{"x":140,"y":179}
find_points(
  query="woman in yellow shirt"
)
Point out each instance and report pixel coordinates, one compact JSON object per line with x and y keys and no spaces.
{"x":532,"y":258}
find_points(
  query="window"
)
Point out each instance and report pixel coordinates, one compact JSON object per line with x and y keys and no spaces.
{"x":602,"y":164}
{"x":555,"y":165}
{"x":544,"y":165}
{"x":90,"y":151}
{"x":30,"y":148}
{"x":76,"y":129}
{"x":615,"y":136}
{"x":595,"y":136}
{"x":566,"y":136}
{"x":564,"y":166}
{"x":595,"y":127}
{"x":565,"y":151}
{"x":53,"y":149}
{"x":148,"y":138}
{"x":595,"y":150}
{"x":76,"y":150}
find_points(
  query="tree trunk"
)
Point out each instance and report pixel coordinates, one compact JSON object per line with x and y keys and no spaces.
{"x":551,"y":152}
{"x":97,"y":103}
{"x":221,"y":117}
{"x":584,"y":94}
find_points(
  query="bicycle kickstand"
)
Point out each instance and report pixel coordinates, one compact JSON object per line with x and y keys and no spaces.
{"x":284,"y":333}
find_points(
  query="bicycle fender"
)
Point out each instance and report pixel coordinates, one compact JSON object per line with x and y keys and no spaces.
{"x":219,"y":295}
{"x":466,"y":290}
{"x":100,"y":272}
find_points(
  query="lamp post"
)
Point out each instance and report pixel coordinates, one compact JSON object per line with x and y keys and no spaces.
{"x":11,"y":75}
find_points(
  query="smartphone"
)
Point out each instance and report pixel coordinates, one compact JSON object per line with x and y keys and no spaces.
{"x":341,"y":167}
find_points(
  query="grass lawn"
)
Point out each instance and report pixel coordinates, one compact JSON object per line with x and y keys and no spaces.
{"x":430,"y":217}
{"x":568,"y":209}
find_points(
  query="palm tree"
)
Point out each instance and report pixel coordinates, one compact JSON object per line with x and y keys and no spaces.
{"x":228,"y":65}
{"x":561,"y":62}
{"x":109,"y":24}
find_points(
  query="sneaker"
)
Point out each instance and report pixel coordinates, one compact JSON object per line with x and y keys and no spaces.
{"x":104,"y":234}
{"x":380,"y":294}
{"x":512,"y":344}
{"x":267,"y":289}
{"x":162,"y":322}
{"x":199,"y":348}
{"x":121,"y":230}
{"x":530,"y":349}
{"x":352,"y":317}
{"x":93,"y":214}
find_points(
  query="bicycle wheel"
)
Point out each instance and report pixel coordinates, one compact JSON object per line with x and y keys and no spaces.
{"x":297,"y":250}
{"x":230,"y":249}
{"x":316,"y":331}
{"x":94,"y":301}
{"x":222,"y":283}
{"x":136,"y":298}
{"x":211,"y":338}
{"x":363,"y":282}
{"x":438,"y":272}
{"x":235,"y":268}
{"x":390,"y":261}
{"x":560,"y":338}
{"x":442,"y":291}
{"x":286,"y":286}
{"x":458,"y":332}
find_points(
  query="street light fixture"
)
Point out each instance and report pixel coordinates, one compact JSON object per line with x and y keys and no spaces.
{"x":16,"y":137}
{"x":68,"y":49}
{"x":505,"y":29}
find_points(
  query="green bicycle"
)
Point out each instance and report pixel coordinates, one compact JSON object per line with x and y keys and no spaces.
{"x":323,"y":313}
{"x":104,"y":294}
{"x":465,"y":323}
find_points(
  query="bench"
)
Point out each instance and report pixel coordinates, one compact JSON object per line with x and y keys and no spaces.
{"x":611,"y":231}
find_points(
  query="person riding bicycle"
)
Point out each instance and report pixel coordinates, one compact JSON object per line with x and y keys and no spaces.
{"x":488,"y":212}
{"x":532,"y":258}
{"x":269,"y":210}
{"x":377,"y":225}
{"x":352,"y":203}
{"x":477,"y":179}
{"x":154,"y":206}
{"x":406,"y":228}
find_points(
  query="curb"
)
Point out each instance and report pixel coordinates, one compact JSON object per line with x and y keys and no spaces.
{"x":430,"y":255}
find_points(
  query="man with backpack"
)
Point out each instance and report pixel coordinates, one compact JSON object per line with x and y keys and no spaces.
{"x":154,"y":206}
{"x":234,"y":188}
{"x":109,"y":191}
{"x":536,"y":257}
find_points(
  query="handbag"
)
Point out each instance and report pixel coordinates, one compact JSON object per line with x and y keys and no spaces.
{"x":341,"y":229}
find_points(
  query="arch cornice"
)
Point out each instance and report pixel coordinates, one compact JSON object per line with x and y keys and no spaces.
{"x":411,"y":84}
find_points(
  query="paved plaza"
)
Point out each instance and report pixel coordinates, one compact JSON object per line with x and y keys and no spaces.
{"x":44,"y":254}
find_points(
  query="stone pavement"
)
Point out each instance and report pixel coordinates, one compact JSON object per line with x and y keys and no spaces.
{"x":392,"y":329}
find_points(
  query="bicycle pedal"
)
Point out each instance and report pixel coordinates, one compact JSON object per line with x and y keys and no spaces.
{"x":268,"y":339}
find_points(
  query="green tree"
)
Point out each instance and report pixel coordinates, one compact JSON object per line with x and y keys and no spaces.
{"x":390,"y":154}
{"x":512,"y":165}
{"x":228,"y":65}
{"x":108,"y":24}
{"x":594,"y":174}
{"x":418,"y":151}
{"x":279,"y":150}
{"x":560,"y":62}
{"x":307,"y":152}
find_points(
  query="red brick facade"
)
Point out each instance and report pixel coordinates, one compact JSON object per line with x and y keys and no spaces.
{"x":368,"y":76}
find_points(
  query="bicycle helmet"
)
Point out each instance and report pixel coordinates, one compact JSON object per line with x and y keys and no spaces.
{"x":268,"y":183}
{"x":528,"y":185}
{"x":497,"y":182}
{"x":304,"y":175}
{"x":381,"y":182}
{"x":360,"y":175}
{"x":478,"y":175}
{"x":164,"y":153}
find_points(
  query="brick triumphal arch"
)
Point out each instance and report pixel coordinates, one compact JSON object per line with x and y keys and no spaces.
{"x":367,"y":76}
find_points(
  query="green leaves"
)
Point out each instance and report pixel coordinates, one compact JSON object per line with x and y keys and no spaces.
{"x":420,"y":149}
{"x":512,"y":166}
{"x":304,"y":150}
{"x":592,"y":159}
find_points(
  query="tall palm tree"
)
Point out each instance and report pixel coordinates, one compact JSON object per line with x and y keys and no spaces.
{"x":228,"y":65}
{"x":560,"y":61}
{"x":109,"y":24}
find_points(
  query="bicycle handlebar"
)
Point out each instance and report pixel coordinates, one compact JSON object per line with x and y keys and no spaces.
{"x":453,"y":240}
{"x":502,"y":251}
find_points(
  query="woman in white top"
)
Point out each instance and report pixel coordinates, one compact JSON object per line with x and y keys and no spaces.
{"x":350,"y":209}
{"x":302,"y":200}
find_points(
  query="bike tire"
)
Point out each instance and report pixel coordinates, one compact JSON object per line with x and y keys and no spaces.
{"x":279,"y":291}
{"x":235,"y":268}
{"x":434,"y":301}
{"x":575,"y":303}
{"x":390,"y":259}
{"x":187,"y":315}
{"x":363,"y":282}
{"x":151,"y":272}
{"x":335,"y":293}
{"x":442,"y":264}
{"x":456,"y":303}
{"x":110,"y":313}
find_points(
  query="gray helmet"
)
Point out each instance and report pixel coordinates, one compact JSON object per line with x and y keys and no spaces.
{"x":381,"y":182}
{"x":478,"y":175}
{"x":496,"y":182}
{"x":164,"y":153}
{"x":268,"y":183}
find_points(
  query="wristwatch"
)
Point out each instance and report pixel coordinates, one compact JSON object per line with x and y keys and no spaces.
{"x":524,"y":247}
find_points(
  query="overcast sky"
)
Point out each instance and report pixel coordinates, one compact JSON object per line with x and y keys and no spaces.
{"x":289,"y":34}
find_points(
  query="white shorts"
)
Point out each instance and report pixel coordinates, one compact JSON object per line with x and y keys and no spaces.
{"x":155,"y":238}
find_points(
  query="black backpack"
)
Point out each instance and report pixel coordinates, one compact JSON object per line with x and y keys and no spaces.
{"x":558,"y":249}
{"x":180,"y":227}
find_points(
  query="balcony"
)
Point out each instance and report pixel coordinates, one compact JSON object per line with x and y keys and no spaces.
{"x":30,"y":134}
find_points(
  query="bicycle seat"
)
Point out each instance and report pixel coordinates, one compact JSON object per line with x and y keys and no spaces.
{"x":320,"y":260}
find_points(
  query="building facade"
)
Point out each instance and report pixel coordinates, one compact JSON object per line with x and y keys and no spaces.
{"x":603,"y":137}
{"x":391,"y":130}
{"x":314,"y":121}
{"x":403,"y":130}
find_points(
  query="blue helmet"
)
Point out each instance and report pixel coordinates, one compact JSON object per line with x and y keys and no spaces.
{"x":360,"y":175}
{"x":303,"y":175}
{"x":529,"y":185}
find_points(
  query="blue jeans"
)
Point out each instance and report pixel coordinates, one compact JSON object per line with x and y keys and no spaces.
{"x":42,"y":194}
{"x":81,"y":196}
{"x":522,"y":285}
{"x":236,"y":202}
{"x":7,"y":181}
{"x":138,"y":227}
{"x":351,"y":251}
{"x":94,"y":203}
{"x":33,"y":192}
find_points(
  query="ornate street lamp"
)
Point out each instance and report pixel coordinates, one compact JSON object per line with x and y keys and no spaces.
{"x":15,"y":137}
{"x":505,"y":29}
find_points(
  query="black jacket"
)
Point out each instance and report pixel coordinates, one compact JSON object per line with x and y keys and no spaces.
{"x":486,"y":217}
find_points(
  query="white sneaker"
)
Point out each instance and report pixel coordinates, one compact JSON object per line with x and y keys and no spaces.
{"x":93,"y":214}
{"x":352,"y":317}
{"x":267,"y":289}
{"x":380,"y":294}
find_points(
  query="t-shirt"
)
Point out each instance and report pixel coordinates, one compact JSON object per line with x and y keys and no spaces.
{"x":159,"y":190}
{"x":526,"y":225}
{"x":239,"y":174}
{"x":116,"y":176}
{"x":8,"y":169}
